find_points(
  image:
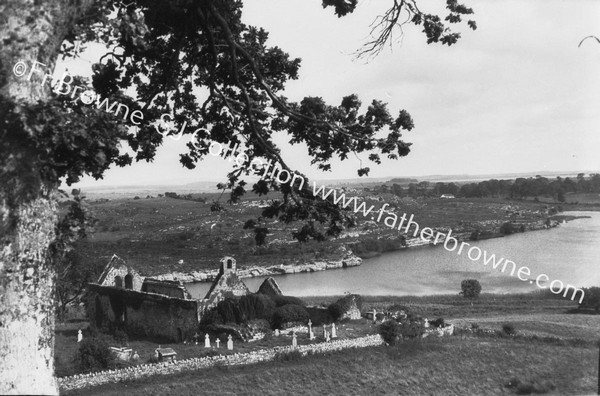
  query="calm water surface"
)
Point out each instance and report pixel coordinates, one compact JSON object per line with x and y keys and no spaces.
{"x":569,"y":253}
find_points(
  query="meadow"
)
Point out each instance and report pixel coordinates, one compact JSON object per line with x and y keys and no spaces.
{"x":158,"y":235}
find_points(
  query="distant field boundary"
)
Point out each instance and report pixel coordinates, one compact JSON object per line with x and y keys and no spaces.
{"x":264,"y":355}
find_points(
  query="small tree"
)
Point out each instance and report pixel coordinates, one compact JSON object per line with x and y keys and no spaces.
{"x":390,"y":331}
{"x":93,"y":355}
{"x":591,"y":298}
{"x":471,"y":288}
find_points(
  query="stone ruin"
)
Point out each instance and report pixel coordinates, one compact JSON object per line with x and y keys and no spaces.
{"x":147,"y":307}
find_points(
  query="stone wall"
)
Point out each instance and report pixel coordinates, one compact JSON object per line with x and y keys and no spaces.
{"x":142,"y":314}
{"x":146,"y":370}
{"x":118,"y":274}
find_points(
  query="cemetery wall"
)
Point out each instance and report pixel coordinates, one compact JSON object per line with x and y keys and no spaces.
{"x":146,"y":370}
{"x":142,"y":314}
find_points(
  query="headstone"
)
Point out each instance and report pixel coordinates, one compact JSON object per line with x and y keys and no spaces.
{"x":135,"y":356}
{"x":327,"y":339}
{"x":206,"y":341}
{"x":218,"y":342}
{"x":333,"y":331}
{"x":311,"y":335}
{"x":229,"y":342}
{"x":294,"y":340}
{"x":324,"y":331}
{"x":426,"y":325}
{"x":276,"y":332}
{"x":374,"y":315}
{"x":79,"y":336}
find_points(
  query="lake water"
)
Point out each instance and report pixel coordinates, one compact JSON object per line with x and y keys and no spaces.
{"x":569,"y":253}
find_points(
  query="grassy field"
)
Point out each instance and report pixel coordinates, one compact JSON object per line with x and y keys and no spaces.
{"x":450,"y":366}
{"x":462,"y":364}
{"x":161,"y":235}
{"x":66,"y":343}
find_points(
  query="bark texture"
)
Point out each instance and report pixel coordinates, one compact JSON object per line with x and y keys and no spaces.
{"x":30,"y":30}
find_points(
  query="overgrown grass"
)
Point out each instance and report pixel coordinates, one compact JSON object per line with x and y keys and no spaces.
{"x":422,"y":367}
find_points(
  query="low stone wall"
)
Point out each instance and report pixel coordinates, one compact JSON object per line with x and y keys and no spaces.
{"x":264,"y":355}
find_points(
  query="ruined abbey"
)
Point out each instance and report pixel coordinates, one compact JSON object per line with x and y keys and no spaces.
{"x":147,"y":307}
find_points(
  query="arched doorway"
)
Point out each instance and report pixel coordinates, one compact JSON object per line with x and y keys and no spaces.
{"x":128,"y":281}
{"x":118,"y":281}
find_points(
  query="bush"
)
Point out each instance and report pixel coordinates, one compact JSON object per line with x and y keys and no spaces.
{"x":335,"y":311}
{"x":338,"y":308}
{"x":280,"y":301}
{"x":319,"y":316}
{"x":256,"y":306}
{"x":93,"y":355}
{"x":509,"y":329}
{"x":390,"y":331}
{"x":121,"y":337}
{"x":289,"y":313}
{"x":591,"y":298}
{"x":527,"y":387}
{"x":506,"y":229}
{"x":412,"y":329}
{"x":439,"y":322}
{"x":229,"y":310}
{"x":471,"y":288}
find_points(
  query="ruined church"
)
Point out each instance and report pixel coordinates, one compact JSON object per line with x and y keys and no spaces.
{"x":148,"y":307}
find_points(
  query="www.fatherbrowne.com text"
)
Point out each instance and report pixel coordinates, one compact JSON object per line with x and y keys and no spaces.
{"x":270,"y":171}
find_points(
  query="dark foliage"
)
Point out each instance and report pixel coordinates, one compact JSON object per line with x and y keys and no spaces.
{"x":338,"y":308}
{"x":439,"y":322}
{"x":509,"y":329}
{"x":320,"y":316}
{"x":591,"y":299}
{"x":290,"y":313}
{"x":256,"y":306}
{"x":527,"y":387}
{"x":471,"y":288}
{"x":160,"y":54}
{"x":390,"y":331}
{"x":285,"y":300}
{"x":93,"y":355}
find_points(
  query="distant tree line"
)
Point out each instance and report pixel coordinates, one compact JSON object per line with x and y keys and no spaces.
{"x":187,"y":197}
{"x":517,"y":189}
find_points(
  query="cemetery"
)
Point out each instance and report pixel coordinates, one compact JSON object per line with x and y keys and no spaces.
{"x":157,"y":328}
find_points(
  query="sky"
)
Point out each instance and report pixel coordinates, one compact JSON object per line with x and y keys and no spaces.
{"x":515,"y":95}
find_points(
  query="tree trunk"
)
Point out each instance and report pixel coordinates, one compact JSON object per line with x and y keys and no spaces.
{"x":30,"y":30}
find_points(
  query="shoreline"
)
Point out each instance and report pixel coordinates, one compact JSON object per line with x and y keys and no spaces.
{"x":351,"y":259}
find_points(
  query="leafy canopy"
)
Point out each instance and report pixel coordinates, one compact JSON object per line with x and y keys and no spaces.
{"x":216,"y":78}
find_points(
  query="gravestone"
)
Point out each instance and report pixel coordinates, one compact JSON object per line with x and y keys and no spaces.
{"x":276,"y":332}
{"x":324,"y":332}
{"x":327,"y":339}
{"x":294,"y":340}
{"x":79,"y":336}
{"x":333,"y":331}
{"x":311,"y":335}
{"x":206,"y":341}
{"x":218,"y":342}
{"x":229,"y":342}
